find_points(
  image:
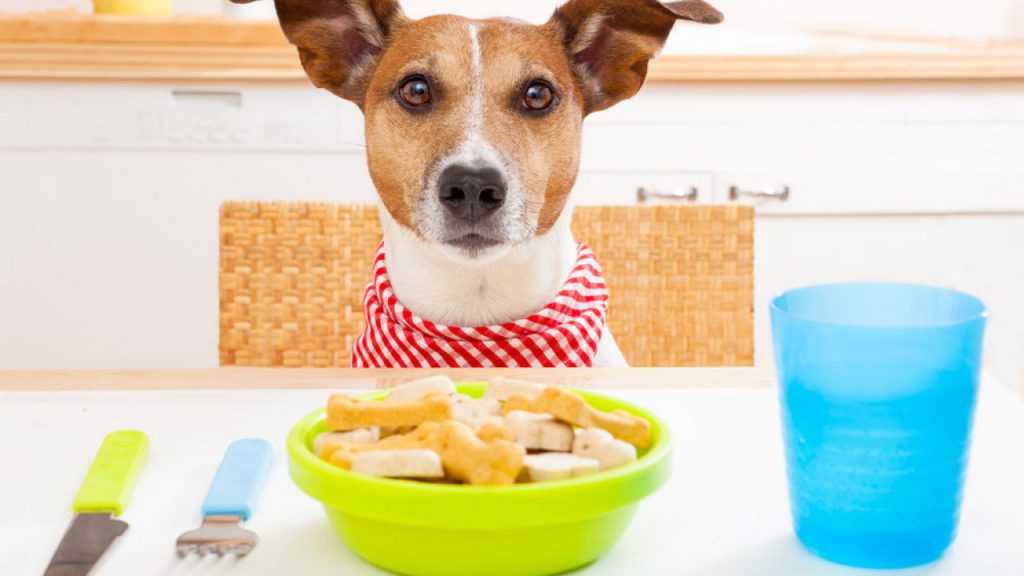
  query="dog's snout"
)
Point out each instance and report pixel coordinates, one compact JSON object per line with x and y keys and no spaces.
{"x":471,"y":193}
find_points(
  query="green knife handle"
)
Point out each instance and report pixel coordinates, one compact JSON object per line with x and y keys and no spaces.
{"x":111,"y":479}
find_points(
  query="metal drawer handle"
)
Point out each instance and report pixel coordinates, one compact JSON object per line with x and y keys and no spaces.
{"x":782,"y":194}
{"x":644,"y":194}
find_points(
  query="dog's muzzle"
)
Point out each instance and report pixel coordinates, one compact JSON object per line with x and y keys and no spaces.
{"x":472,"y":197}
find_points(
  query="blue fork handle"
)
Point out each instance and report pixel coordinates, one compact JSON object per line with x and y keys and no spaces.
{"x":239,"y":479}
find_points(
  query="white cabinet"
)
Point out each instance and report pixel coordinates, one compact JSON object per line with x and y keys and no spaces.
{"x":842,"y":148}
{"x":912,"y":182}
{"x":108,"y":246}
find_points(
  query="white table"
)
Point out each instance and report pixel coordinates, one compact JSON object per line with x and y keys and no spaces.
{"x":724,"y":512}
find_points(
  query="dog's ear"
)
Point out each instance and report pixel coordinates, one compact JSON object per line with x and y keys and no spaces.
{"x":339,"y":41}
{"x":610,"y":42}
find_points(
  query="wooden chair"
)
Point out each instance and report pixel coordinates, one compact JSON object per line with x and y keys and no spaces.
{"x":292,"y":277}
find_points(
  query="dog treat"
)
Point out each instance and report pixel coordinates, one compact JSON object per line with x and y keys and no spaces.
{"x":475,"y":413}
{"x":518,"y":431}
{"x":386,"y":431}
{"x":491,"y":431}
{"x":463,"y":454}
{"x":472,"y":460}
{"x":359,"y":436}
{"x":419,"y":389}
{"x":399,"y":464}
{"x":504,"y":388}
{"x":480,"y":423}
{"x":558,"y":466}
{"x":346,"y":413}
{"x":540,"y":431}
{"x":603,"y":447}
{"x":423,"y":437}
{"x":571,"y":408}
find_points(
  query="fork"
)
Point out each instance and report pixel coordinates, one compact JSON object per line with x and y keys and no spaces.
{"x":234,"y":490}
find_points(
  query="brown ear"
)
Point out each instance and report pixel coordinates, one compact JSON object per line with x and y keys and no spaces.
{"x":610,"y":42}
{"x":339,"y":41}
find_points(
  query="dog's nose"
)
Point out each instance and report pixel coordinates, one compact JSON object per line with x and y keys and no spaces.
{"x":471,"y":193}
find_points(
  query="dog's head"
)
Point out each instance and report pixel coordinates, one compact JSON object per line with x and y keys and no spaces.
{"x":473,"y":126}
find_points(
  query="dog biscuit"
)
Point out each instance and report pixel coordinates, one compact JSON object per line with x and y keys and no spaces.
{"x":474,"y":461}
{"x":540,"y":431}
{"x":479,"y":423}
{"x":358,"y":436}
{"x":419,"y":389}
{"x":504,"y":388}
{"x":463,"y":454}
{"x":571,"y":408}
{"x":386,"y":431}
{"x":473,"y":412}
{"x":399,"y":464}
{"x":601,"y":446}
{"x":422,"y":437}
{"x":558,"y":466}
{"x":346,"y":413}
{"x":494,"y":429}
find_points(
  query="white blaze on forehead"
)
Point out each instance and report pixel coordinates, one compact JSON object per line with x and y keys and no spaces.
{"x":475,"y":116}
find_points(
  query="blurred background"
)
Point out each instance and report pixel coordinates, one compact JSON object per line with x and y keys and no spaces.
{"x":896,"y":126}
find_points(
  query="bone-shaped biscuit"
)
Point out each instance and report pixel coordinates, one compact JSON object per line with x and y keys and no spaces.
{"x":359,"y":436}
{"x":347,"y":413}
{"x":495,"y":429}
{"x":386,"y":431}
{"x":603,"y":447}
{"x":399,"y":464}
{"x":540,"y":431}
{"x":475,"y":412}
{"x":573,"y":409}
{"x":419,"y":389}
{"x":464,"y":455}
{"x":339,"y":452}
{"x":472,"y":460}
{"x":558,"y":466}
{"x":468,"y":408}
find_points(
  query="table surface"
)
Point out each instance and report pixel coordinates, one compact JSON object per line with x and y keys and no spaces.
{"x":724,"y":512}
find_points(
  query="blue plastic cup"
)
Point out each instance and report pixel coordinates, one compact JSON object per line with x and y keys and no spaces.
{"x":877,"y":384}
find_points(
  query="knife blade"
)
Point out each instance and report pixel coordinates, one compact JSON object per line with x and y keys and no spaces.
{"x":104,"y":494}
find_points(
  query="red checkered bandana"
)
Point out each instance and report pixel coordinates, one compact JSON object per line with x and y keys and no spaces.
{"x":564,"y":333}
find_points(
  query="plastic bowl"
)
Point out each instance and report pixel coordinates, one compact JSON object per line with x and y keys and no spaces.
{"x":424,"y":529}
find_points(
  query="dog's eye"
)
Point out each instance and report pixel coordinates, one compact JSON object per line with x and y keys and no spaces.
{"x":415,"y":92}
{"x":538,"y":97}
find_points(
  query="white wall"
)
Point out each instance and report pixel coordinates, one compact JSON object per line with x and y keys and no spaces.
{"x":977,"y":19}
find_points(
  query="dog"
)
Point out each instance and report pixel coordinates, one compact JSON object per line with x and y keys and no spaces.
{"x":473,"y":132}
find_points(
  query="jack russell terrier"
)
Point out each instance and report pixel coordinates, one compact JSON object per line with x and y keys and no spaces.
{"x":473,"y":134}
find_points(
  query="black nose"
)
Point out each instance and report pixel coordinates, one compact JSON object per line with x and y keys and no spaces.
{"x":471,"y":193}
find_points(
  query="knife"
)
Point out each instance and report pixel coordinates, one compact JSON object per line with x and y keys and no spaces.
{"x":104,"y":494}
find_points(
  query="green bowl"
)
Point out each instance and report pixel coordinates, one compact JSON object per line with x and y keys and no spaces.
{"x":424,"y":529}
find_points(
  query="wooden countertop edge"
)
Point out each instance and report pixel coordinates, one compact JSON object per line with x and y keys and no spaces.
{"x":280,"y":378}
{"x":893,"y":66}
{"x":64,"y":46}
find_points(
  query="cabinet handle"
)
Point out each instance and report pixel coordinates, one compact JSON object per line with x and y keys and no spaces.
{"x":644,"y":194}
{"x":782,"y":194}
